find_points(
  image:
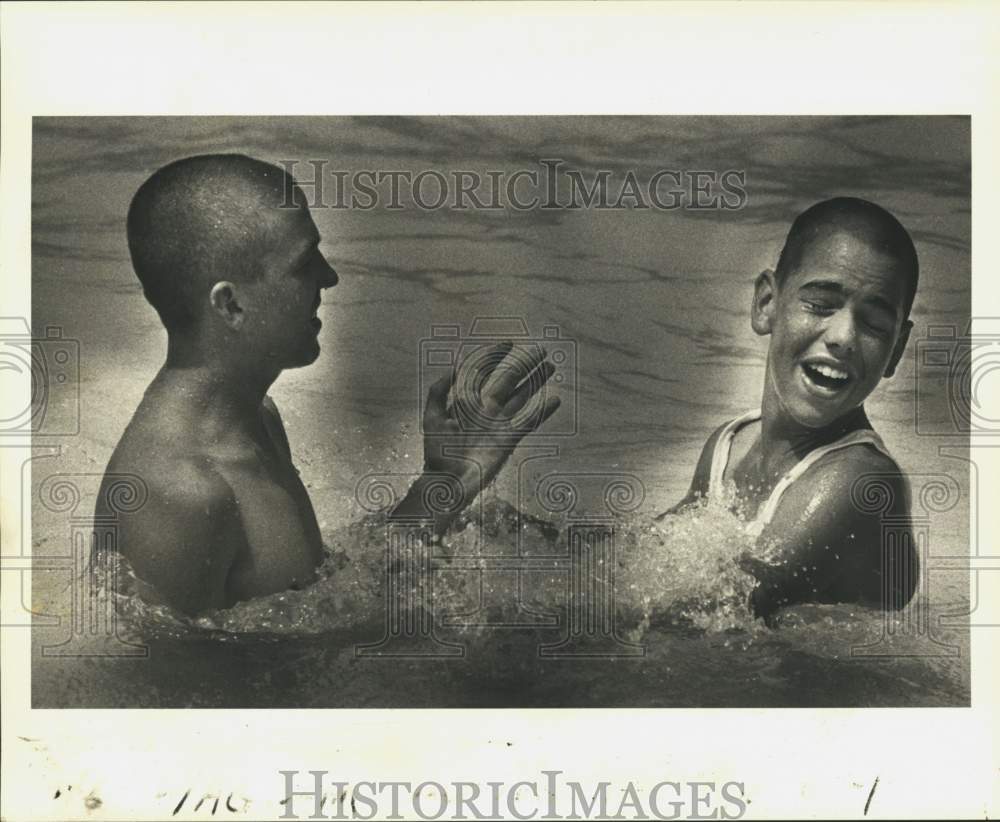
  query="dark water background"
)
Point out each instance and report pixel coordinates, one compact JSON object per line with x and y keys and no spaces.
{"x":653,"y":309}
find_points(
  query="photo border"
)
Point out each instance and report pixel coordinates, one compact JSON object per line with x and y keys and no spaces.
{"x":676,"y":58}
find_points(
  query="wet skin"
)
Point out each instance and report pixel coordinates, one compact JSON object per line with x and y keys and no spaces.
{"x":837,"y":328}
{"x":227,"y":517}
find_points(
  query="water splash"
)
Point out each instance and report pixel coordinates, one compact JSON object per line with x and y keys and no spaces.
{"x":680,"y":590}
{"x":683,"y":570}
{"x":346,"y":592}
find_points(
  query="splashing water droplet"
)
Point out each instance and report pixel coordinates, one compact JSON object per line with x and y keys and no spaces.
{"x":683,"y":570}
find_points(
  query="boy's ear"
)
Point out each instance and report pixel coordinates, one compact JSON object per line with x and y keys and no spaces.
{"x":897,"y":351}
{"x":224,"y":303}
{"x":765,"y":290}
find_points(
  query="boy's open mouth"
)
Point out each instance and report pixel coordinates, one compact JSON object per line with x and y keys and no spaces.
{"x":827,"y":378}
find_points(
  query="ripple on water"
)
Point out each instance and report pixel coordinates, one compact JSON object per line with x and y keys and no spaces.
{"x":683,"y":570}
{"x":680,"y":590}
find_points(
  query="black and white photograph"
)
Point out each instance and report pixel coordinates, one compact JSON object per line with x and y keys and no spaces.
{"x":503,"y":411}
{"x":510,"y":410}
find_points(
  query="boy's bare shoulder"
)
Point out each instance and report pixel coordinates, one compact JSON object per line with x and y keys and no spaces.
{"x":187,"y":534}
{"x":837,"y":511}
{"x":828,"y":528}
{"x":179,"y":477}
{"x":166,"y":457}
{"x":862,"y":478}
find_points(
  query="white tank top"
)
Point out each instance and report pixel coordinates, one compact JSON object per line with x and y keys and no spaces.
{"x":720,"y":459}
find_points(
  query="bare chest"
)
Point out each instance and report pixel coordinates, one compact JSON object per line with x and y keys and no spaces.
{"x":283,"y":545}
{"x":746,"y":472}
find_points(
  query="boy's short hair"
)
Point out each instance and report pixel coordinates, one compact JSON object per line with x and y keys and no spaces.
{"x":863,"y":219}
{"x":193,"y":221}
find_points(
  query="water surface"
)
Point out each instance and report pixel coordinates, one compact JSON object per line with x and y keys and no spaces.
{"x":653,"y":306}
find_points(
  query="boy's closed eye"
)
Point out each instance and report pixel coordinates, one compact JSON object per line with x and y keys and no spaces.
{"x":878,"y":321}
{"x":823,"y":308}
{"x":873,"y":321}
{"x":821,"y":297}
{"x":824,"y":300}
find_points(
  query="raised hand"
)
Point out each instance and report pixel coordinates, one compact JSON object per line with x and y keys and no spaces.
{"x":475,"y":417}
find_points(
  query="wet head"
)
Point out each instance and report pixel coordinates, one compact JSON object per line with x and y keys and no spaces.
{"x":836,"y":308}
{"x":228,"y":255}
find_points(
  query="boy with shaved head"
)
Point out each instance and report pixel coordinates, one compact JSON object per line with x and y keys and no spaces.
{"x":836,"y":308}
{"x":228,"y":255}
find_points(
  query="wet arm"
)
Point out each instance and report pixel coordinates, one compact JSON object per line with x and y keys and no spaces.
{"x":184,"y":542}
{"x":823,"y":548}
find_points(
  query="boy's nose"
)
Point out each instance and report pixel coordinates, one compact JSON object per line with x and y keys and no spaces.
{"x":329,"y":277}
{"x":840,"y":331}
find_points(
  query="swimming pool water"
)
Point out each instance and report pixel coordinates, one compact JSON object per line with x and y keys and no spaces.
{"x":652,"y":306}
